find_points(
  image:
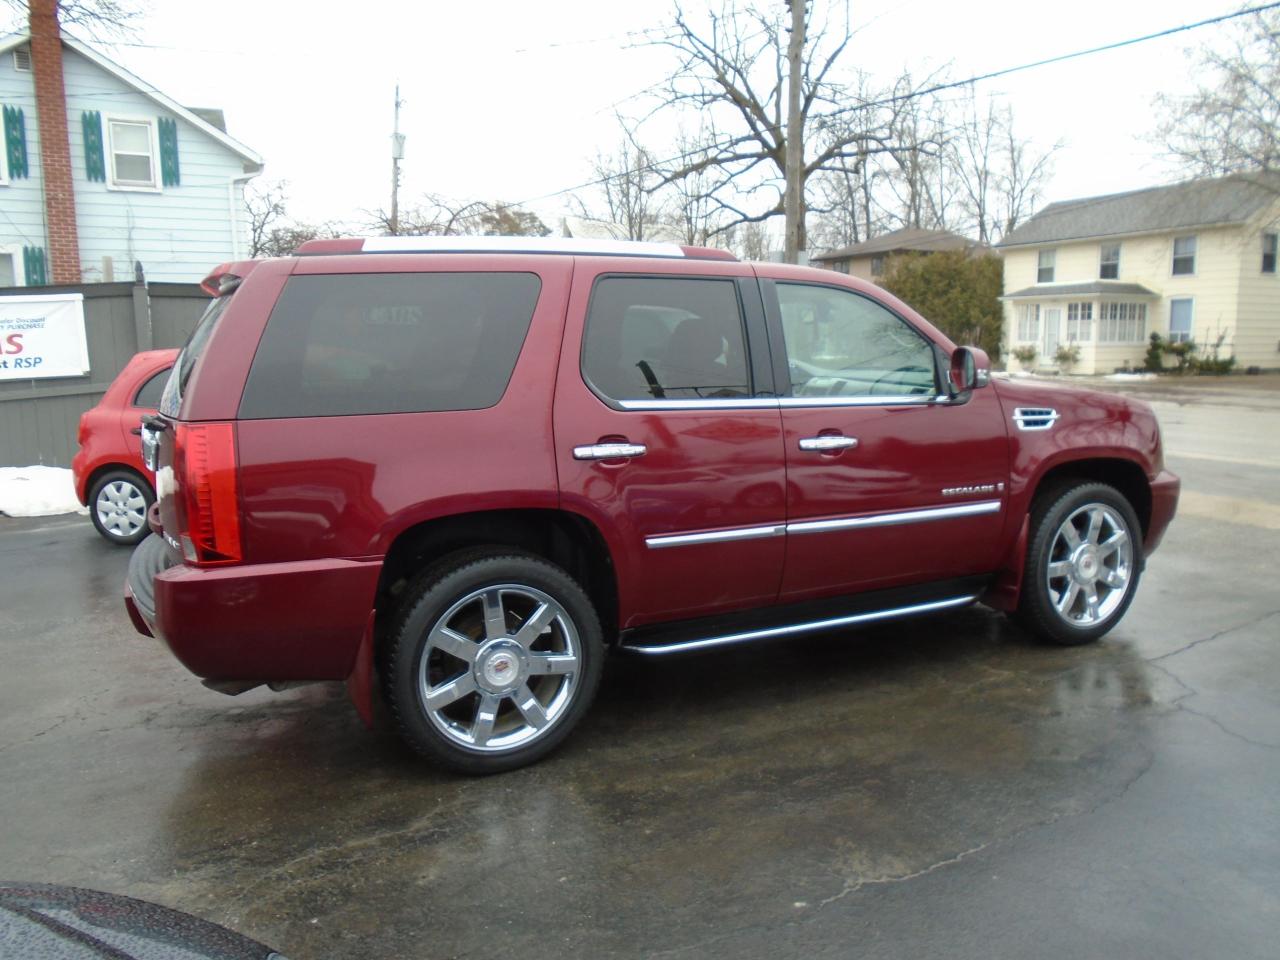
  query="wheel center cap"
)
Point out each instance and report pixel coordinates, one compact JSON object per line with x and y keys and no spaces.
{"x":1087,"y":565}
{"x":500,"y":666}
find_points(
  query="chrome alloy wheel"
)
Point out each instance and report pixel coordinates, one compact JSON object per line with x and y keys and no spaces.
{"x":499,"y":667}
{"x":1090,"y":565}
{"x":121,"y":508}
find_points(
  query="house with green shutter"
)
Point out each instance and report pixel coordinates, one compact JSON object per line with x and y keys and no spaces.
{"x":101,"y":171}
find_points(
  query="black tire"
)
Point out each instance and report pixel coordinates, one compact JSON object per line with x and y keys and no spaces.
{"x":1040,"y":608}
{"x":486,"y":653}
{"x":113,"y":506}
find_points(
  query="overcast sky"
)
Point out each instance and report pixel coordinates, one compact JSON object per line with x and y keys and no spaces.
{"x":511,"y":100}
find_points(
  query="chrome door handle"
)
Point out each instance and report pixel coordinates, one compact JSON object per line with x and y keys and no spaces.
{"x":825,"y":444}
{"x":609,"y":451}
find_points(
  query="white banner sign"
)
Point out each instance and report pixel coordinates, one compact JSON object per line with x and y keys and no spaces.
{"x":43,"y":336}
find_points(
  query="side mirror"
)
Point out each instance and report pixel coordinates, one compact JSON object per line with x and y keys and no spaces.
{"x":970,"y":369}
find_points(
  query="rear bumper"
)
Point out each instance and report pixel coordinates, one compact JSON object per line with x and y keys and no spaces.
{"x":273,"y":621}
{"x":1164,"y":503}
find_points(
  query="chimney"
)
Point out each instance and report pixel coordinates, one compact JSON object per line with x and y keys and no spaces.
{"x":55,"y":147}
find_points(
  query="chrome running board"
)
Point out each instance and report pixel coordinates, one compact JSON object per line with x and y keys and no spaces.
{"x":830,"y":623}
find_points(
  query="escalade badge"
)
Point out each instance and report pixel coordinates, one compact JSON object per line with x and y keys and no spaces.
{"x":970,"y":491}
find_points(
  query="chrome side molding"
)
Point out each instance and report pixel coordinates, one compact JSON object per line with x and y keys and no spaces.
{"x":810,"y":626}
{"x":715,"y":536}
{"x":896,"y":519}
{"x":1035,"y":418}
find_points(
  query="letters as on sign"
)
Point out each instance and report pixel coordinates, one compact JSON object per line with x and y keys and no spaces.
{"x":43,"y":336}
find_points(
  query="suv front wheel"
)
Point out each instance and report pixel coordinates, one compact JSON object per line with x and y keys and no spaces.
{"x":1083,"y":563}
{"x":493,"y":660}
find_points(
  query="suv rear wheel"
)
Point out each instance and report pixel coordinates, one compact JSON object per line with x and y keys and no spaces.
{"x":493,"y":660}
{"x":1083,"y":563}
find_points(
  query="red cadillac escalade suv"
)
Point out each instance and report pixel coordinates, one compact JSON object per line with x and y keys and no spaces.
{"x":459,"y":469}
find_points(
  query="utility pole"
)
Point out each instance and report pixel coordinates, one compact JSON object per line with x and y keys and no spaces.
{"x":793,"y":199}
{"x":397,"y":154}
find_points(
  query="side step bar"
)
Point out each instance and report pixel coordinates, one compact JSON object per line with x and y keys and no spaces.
{"x":658,"y":648}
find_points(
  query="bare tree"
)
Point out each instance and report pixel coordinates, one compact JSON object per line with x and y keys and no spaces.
{"x":441,"y":216}
{"x":999,"y":176}
{"x":271,"y":232}
{"x":767,"y":83}
{"x":102,"y":20}
{"x":1232,"y":122}
{"x":627,"y":181}
{"x":920,"y":179}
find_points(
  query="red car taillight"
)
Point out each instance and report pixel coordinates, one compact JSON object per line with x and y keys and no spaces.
{"x":83,"y":433}
{"x":204,"y":462}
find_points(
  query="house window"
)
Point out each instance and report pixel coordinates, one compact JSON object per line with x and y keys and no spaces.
{"x":1044,"y":268}
{"x":877,"y":266}
{"x":1269,"y":244}
{"x":10,"y":275}
{"x":132,"y":153}
{"x":1180,"y":312}
{"x":1079,"y":322}
{"x":1184,"y":256}
{"x":1122,"y":322}
{"x":840,"y":266}
{"x":1109,"y":266}
{"x":1029,"y":323}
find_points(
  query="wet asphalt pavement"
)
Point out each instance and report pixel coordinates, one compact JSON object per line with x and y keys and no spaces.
{"x":938,"y":787}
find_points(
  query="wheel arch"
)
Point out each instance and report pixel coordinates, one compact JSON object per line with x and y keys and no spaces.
{"x":100,"y":471}
{"x":1127,"y":476}
{"x":566,"y":539}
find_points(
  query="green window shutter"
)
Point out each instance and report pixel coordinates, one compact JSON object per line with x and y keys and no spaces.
{"x":94,"y":163}
{"x":15,"y":141}
{"x":33,"y":266}
{"x":169,"y":152}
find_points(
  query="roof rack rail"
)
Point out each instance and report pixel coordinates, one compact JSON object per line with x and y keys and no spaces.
{"x":550,"y":245}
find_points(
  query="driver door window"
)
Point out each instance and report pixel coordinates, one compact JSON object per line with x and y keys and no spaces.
{"x":842,"y":344}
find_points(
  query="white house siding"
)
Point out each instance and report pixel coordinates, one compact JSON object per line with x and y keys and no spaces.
{"x":1258,"y":342}
{"x":1146,"y":260}
{"x":177,"y":233}
{"x":21,"y":199}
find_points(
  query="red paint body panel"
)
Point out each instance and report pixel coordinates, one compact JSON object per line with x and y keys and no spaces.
{"x":271,"y":621}
{"x":106,"y":437}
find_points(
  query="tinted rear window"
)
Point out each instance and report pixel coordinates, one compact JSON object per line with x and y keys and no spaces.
{"x":389,"y":343}
{"x":149,"y":394}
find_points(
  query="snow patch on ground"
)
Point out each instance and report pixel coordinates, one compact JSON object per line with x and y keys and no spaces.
{"x":37,"y":492}
{"x":1130,"y":376}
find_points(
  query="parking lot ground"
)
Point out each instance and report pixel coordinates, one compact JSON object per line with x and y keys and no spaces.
{"x":943,"y":787}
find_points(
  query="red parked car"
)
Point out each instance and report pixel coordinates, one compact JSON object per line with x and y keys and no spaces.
{"x":467,"y":466}
{"x":110,"y":477}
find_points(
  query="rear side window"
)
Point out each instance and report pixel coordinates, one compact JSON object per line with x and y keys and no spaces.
{"x":389,"y":343}
{"x":665,"y":338}
{"x":149,"y":393}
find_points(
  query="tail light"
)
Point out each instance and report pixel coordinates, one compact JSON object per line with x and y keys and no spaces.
{"x":204,"y":463}
{"x":83,"y":433}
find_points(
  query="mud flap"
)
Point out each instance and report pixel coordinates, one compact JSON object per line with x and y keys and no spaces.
{"x":360,"y":680}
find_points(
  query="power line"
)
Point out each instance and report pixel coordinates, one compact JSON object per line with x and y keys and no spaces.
{"x":936,"y":88}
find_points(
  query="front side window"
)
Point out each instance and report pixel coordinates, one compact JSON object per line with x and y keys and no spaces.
{"x":842,"y":344}
{"x":1269,"y":245}
{"x":132,"y":153}
{"x":1184,"y":256}
{"x":1079,"y":321}
{"x":1180,"y":317}
{"x":1029,"y":323}
{"x":1045,"y":265}
{"x":1109,"y":266}
{"x":665,"y":338}
{"x":373,"y":343}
